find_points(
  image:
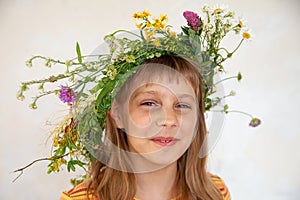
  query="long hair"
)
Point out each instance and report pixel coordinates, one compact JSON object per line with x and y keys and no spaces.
{"x":193,"y":181}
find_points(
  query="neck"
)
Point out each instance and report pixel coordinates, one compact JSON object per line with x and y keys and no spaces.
{"x":159,"y":184}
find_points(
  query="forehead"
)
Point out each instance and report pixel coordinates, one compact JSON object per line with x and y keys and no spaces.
{"x":160,"y":77}
{"x":176,"y":90}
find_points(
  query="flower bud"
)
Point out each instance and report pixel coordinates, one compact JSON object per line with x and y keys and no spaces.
{"x":28,"y":63}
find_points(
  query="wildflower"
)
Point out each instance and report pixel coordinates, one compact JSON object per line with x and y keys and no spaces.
{"x":149,"y":34}
{"x":141,"y":15}
{"x":172,"y":34}
{"x":205,"y":8}
{"x":218,"y":10}
{"x":24,"y":87}
{"x":61,"y":161}
{"x":246,"y":35}
{"x":148,"y":25}
{"x":156,"y":42}
{"x":232,"y":93}
{"x":163,"y":18}
{"x":137,"y":16}
{"x":33,"y":106}
{"x":240,"y":24}
{"x":67,"y":95}
{"x":158,"y":24}
{"x":20,"y":96}
{"x":146,"y":14}
{"x":193,"y":20}
{"x":29,"y":63}
{"x":55,"y":142}
{"x":55,"y":166}
{"x":48,"y":63}
{"x":111,"y":72}
{"x":72,"y":153}
{"x":139,"y":26}
{"x":69,"y":63}
{"x":239,"y":76}
{"x":41,"y":86}
{"x":255,"y":122}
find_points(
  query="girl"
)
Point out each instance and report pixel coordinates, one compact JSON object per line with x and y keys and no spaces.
{"x":157,"y":124}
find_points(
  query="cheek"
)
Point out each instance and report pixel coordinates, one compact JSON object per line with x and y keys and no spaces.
{"x":188,"y":125}
{"x":140,"y":119}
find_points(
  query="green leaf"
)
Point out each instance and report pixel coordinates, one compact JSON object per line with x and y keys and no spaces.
{"x":84,"y":95}
{"x":78,"y":162}
{"x":185,"y":30}
{"x":95,"y":89}
{"x":70,"y":166}
{"x":79,"y":57}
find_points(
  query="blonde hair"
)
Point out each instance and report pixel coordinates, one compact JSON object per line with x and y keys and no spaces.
{"x":193,"y":181}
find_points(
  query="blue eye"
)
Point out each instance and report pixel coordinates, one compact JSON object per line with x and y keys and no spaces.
{"x":182,"y":105}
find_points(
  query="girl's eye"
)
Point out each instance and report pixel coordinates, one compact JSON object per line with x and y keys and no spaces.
{"x":149,"y":104}
{"x":182,"y":105}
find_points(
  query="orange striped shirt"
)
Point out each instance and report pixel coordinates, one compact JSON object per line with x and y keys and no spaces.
{"x":80,"y":191}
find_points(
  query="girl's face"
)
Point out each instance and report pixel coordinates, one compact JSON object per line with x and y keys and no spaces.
{"x":160,"y":119}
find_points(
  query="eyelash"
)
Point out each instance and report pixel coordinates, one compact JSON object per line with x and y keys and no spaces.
{"x":147,"y":103}
{"x":151,"y":103}
{"x":182,"y":105}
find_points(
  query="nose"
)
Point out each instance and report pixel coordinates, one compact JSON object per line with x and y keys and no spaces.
{"x":168,"y":118}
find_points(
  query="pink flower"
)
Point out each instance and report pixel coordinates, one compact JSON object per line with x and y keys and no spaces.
{"x":67,"y":95}
{"x":193,"y":19}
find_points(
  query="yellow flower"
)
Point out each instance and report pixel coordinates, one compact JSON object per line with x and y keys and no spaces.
{"x":146,"y":14}
{"x":137,"y":16}
{"x":158,"y":24}
{"x":246,"y":35}
{"x":156,"y":42}
{"x":62,"y":161}
{"x":55,"y":166}
{"x":240,"y":23}
{"x":218,"y":10}
{"x":149,"y":34}
{"x":141,"y":15}
{"x":139,"y":26}
{"x":72,"y":153}
{"x":55,"y":142}
{"x":163,"y":17}
{"x":148,"y":24}
{"x":172,"y":33}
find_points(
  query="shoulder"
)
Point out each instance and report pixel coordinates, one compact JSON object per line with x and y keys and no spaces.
{"x":79,"y":192}
{"x":219,"y":183}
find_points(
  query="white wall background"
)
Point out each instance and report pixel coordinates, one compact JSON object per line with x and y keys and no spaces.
{"x":261,"y":163}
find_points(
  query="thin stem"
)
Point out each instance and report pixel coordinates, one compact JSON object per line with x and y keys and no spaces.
{"x":125,"y":31}
{"x":241,"y":112}
{"x":234,"y":111}
{"x":238,"y":46}
{"x":21,"y":170}
{"x":226,"y":79}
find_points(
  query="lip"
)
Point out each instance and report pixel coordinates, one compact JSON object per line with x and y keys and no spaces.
{"x":164,"y":141}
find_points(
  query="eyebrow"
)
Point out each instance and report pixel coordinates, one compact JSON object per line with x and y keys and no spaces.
{"x":154,"y":92}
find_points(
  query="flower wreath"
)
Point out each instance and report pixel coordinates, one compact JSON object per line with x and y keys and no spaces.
{"x":200,"y":41}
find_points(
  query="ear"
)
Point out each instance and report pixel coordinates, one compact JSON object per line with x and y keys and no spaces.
{"x":116,"y":114}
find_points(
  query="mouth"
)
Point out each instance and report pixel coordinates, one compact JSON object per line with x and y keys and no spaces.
{"x":164,"y":141}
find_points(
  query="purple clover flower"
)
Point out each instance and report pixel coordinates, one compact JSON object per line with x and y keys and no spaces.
{"x":67,"y":95}
{"x":193,"y":20}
